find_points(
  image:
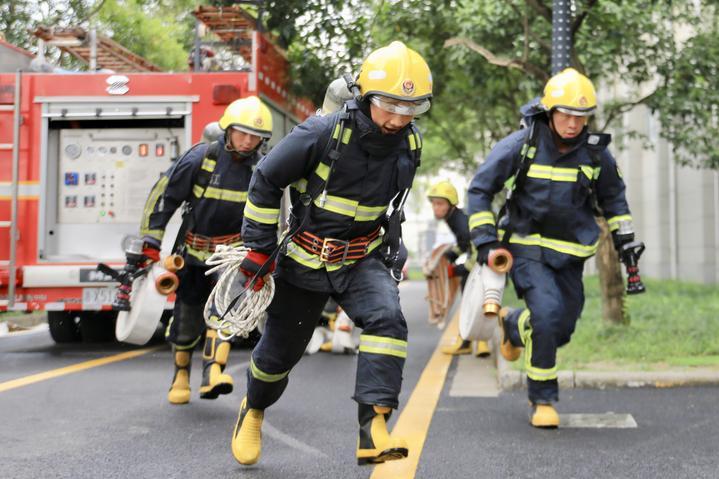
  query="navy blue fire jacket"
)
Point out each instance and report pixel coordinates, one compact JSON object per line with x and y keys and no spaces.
{"x":552,"y":217}
{"x":372,"y":170}
{"x":218,"y":212}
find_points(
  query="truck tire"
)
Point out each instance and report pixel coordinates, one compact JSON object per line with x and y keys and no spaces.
{"x":98,"y":326}
{"x":63,"y":326}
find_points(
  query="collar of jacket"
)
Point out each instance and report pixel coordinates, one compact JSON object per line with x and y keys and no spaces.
{"x":371,"y":138}
{"x":546,"y":132}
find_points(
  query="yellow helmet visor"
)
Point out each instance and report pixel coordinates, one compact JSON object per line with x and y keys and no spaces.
{"x":402,"y":108}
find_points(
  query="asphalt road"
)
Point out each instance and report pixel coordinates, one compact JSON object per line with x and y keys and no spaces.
{"x":113,"y":420}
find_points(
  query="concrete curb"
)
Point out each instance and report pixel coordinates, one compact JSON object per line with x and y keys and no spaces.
{"x":510,"y":379}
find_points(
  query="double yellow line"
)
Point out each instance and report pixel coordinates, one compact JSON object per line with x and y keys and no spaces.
{"x":27,"y":380}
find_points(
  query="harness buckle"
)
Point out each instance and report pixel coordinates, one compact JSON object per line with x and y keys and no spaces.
{"x":330,"y":246}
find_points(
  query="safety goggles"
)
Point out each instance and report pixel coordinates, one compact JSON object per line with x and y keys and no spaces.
{"x":575,"y":112}
{"x":403,"y":108}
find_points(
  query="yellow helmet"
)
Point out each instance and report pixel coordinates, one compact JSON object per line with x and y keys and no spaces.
{"x":249,"y":115}
{"x":570,"y":92}
{"x":398,"y":72}
{"x":444,"y":189}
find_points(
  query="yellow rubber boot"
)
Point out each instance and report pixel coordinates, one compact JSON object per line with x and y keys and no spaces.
{"x":247,"y":438}
{"x":544,"y":416}
{"x":482,"y":350}
{"x":458,"y":347}
{"x":506,"y":348}
{"x":180,"y":390}
{"x":214,"y":360}
{"x":375,"y":445}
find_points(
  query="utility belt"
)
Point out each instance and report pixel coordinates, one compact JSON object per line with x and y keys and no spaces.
{"x":332,"y":250}
{"x":209,"y":243}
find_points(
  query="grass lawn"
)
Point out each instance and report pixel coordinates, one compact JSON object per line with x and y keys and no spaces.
{"x":673,"y":324}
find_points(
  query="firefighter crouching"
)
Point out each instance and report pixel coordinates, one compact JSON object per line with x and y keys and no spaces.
{"x":444,"y":199}
{"x":560,"y":177}
{"x":344,"y":170}
{"x":212,"y":181}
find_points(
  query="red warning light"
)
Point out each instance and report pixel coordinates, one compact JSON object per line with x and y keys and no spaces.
{"x":143,"y":149}
{"x":159,"y":149}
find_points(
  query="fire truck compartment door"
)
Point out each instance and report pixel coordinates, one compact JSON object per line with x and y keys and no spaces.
{"x":97,"y":183}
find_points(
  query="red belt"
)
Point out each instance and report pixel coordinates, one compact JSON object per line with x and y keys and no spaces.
{"x":208,"y":243}
{"x":332,"y":250}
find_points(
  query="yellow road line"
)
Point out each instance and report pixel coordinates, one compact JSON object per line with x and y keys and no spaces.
{"x":413,"y":424}
{"x":27,"y":380}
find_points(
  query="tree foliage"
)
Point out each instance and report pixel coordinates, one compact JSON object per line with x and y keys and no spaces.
{"x":159,"y":30}
{"x":323,"y":38}
{"x":489,"y":57}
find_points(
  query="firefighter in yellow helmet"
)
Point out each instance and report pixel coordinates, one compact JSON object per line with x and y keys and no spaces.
{"x":560,"y":176}
{"x":444,"y":199}
{"x":345,"y":168}
{"x":211,"y":180}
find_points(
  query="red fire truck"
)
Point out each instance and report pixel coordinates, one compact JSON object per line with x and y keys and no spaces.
{"x":79,"y":153}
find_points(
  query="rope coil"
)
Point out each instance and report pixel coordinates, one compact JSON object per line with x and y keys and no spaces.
{"x":231,"y":309}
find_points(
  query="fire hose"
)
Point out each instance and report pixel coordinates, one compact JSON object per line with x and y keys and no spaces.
{"x":233,"y":312}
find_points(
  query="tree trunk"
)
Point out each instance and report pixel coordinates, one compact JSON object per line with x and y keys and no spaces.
{"x":610,"y":278}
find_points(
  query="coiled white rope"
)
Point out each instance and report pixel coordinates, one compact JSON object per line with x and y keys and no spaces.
{"x":243,"y":317}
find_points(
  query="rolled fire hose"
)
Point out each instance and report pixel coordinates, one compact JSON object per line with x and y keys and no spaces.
{"x":242,"y":317}
{"x":482,"y":298}
{"x":147,"y":301}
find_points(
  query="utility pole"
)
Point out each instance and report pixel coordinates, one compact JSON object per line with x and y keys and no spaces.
{"x":561,"y":35}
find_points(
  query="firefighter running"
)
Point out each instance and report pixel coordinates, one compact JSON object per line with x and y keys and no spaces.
{"x":212,"y":181}
{"x":345,"y":170}
{"x":560,"y":177}
{"x":444,"y":198}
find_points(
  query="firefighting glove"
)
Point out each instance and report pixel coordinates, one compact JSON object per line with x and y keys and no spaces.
{"x":484,"y":249}
{"x":256,"y":265}
{"x":451,"y":255}
{"x":621,"y":239}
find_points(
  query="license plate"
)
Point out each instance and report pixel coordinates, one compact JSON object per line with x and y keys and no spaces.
{"x":98,"y":296}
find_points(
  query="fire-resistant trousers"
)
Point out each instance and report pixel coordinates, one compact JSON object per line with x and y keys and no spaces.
{"x":554,"y":299}
{"x":188,"y":323}
{"x":371,"y":300}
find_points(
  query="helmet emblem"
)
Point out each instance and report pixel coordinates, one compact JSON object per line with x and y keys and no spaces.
{"x":408,"y":87}
{"x":583,"y":101}
{"x":258,"y":122}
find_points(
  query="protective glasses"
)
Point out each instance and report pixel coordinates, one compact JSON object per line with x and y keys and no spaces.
{"x":575,"y":111}
{"x":403,"y":108}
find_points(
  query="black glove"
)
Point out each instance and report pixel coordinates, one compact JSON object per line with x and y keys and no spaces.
{"x":621,"y":239}
{"x":451,"y":255}
{"x":484,"y":249}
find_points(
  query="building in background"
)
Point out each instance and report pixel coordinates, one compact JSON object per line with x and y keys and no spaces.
{"x":675,"y":208}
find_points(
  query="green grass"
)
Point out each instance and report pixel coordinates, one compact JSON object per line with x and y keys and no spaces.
{"x":673,"y":324}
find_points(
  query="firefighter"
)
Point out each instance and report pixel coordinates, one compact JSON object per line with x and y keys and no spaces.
{"x":560,"y":176}
{"x":444,"y":198}
{"x":340,"y":200}
{"x":212,"y":179}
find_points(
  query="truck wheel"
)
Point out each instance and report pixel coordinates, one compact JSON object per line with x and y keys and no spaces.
{"x":63,"y":326}
{"x":98,"y":326}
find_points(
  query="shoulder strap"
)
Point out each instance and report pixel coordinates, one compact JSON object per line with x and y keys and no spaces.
{"x":527,"y":153}
{"x":202,"y":180}
{"x":204,"y":174}
{"x":596,"y":143}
